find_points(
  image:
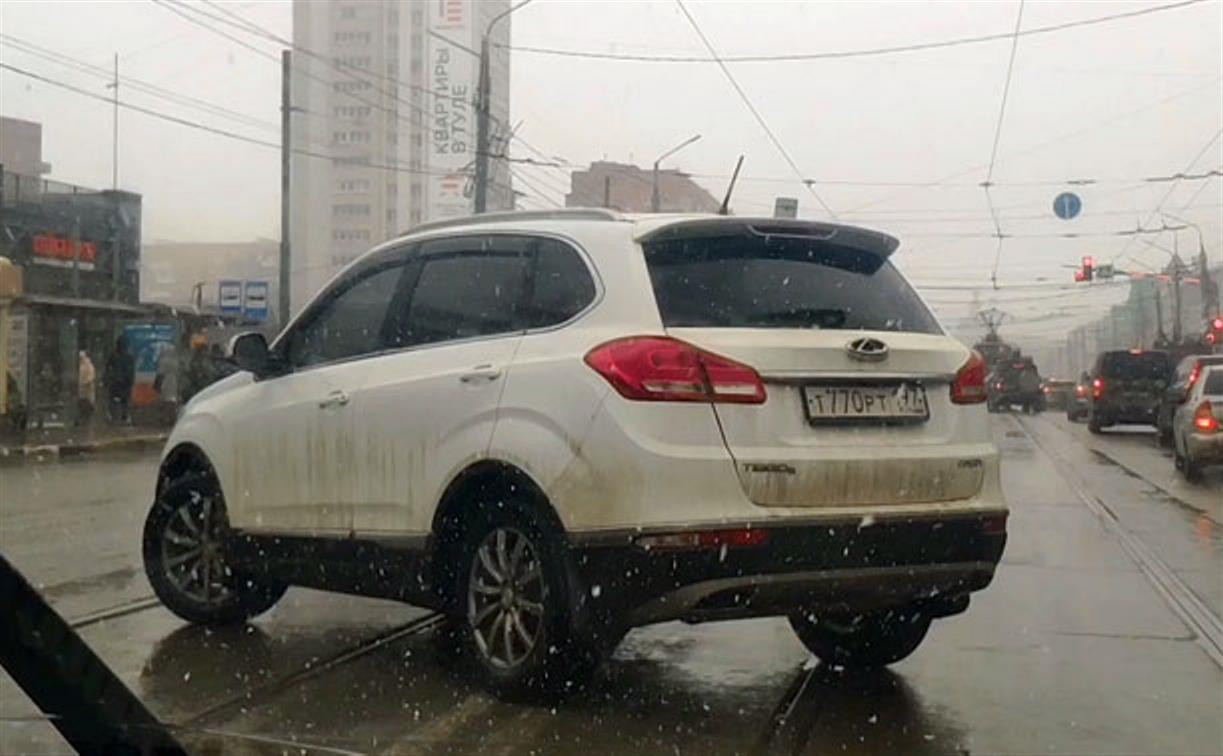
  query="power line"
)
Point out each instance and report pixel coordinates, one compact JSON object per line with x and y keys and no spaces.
{"x":871,"y":51}
{"x":205,"y":127}
{"x":539,"y":192}
{"x":1213,"y":85}
{"x":1171,"y":189}
{"x":759,"y":119}
{"x":53,"y":56}
{"x":993,"y":155}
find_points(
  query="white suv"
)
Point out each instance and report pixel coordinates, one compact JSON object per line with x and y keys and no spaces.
{"x":555,"y":427}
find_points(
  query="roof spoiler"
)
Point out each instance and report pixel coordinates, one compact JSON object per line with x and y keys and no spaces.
{"x":862,"y":239}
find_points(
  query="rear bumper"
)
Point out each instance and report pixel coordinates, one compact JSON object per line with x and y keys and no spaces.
{"x":1110,"y":412}
{"x":829,"y":567}
{"x":1204,"y":447}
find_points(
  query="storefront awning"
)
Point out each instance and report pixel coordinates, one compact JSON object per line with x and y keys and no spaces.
{"x":85,"y":304}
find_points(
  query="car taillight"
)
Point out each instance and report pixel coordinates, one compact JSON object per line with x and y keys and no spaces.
{"x":1204,"y":420}
{"x":1097,"y":388}
{"x":704,"y":539}
{"x":1080,"y":391}
{"x":661,"y":369}
{"x":969,"y":384}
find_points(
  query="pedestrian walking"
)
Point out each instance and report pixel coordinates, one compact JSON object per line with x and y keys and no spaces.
{"x":86,"y":385}
{"x":120,"y":374}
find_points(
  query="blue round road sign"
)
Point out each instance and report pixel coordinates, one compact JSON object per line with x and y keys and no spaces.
{"x":1067,"y":205}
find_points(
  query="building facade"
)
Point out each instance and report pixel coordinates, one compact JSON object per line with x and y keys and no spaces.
{"x":79,"y":253}
{"x":625,"y":187}
{"x":384,"y":123}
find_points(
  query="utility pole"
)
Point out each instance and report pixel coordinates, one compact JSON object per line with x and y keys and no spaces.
{"x":286,"y":149}
{"x":114,"y":129}
{"x":607,"y":191}
{"x":1160,"y":337}
{"x":1176,"y":298}
{"x":655,"y":200}
{"x":482,"y":97}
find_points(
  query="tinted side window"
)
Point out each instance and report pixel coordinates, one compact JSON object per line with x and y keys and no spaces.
{"x":561,"y":285}
{"x":467,"y":293}
{"x":350,"y":323}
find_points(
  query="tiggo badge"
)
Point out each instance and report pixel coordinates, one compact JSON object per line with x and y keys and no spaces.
{"x":867,"y":349}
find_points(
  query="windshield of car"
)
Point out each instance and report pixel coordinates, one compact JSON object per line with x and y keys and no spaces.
{"x":625,"y":377}
{"x":772,"y":282}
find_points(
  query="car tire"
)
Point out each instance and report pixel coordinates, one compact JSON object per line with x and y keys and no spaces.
{"x":1093,"y":423}
{"x":867,"y":641}
{"x":184,"y":557}
{"x":514,"y":598}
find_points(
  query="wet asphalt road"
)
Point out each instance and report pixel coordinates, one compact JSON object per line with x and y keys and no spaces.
{"x":1095,"y":637}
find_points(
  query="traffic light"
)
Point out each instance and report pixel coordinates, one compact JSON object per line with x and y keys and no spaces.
{"x":1214,"y":333}
{"x":1087,"y":271}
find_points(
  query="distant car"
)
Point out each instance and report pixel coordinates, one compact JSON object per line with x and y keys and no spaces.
{"x":1015,"y":381}
{"x":1059,"y":393}
{"x":1126,"y":387}
{"x":1080,"y":401}
{"x":1183,"y":380}
{"x":1196,"y":436}
{"x":554,"y":427}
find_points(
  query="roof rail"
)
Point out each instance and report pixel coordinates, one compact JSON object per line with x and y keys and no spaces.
{"x":564,"y":213}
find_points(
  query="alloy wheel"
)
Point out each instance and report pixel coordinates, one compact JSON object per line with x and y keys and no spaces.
{"x":505,"y":597}
{"x":191,"y":552}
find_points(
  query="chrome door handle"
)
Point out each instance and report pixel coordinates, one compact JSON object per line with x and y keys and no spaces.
{"x":480,"y":374}
{"x":334,"y":399}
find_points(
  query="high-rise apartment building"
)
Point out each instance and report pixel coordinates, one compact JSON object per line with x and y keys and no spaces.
{"x":384,"y":93}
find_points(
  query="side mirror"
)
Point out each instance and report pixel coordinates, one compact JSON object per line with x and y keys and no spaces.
{"x":249,"y":351}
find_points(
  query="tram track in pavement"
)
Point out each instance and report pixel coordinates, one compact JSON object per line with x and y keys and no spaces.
{"x":1206,"y":626}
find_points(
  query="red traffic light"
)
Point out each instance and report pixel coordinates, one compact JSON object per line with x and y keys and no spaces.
{"x":1089,"y":262}
{"x":1079,"y":276}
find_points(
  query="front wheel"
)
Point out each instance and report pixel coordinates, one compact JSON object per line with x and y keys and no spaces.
{"x":869,"y":640}
{"x":184,"y":557}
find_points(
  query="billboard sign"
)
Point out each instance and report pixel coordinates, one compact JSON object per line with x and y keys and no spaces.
{"x":255,"y":300}
{"x":56,"y":250}
{"x":229,"y":297}
{"x":156,"y":363}
{"x":452,"y":126}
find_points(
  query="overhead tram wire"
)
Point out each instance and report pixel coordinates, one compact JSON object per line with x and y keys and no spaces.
{"x":755,"y":113}
{"x":539,"y":192}
{"x":859,"y":53}
{"x":240,"y":22}
{"x":1168,"y":194}
{"x":993,"y":155}
{"x":152,"y":90}
{"x":201,"y":126}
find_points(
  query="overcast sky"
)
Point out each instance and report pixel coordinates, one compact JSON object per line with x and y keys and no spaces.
{"x":1116,"y":102}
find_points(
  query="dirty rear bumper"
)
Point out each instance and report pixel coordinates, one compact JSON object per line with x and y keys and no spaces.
{"x":828,"y":567}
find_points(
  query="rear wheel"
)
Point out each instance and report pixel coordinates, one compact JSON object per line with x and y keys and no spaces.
{"x":185,"y":561}
{"x":871,"y":640}
{"x":514,"y":599}
{"x":1093,"y":423}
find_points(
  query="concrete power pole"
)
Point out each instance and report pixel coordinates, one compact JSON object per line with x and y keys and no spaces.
{"x":286,"y":151}
{"x":482,"y":100}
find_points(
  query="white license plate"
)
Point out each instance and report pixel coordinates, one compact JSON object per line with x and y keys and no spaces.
{"x":902,"y":402}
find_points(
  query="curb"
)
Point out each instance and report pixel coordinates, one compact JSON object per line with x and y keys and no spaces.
{"x":131,"y":443}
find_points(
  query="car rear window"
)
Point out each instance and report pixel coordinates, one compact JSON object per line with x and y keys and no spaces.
{"x":1214,"y":382}
{"x":780,"y":282}
{"x":1131,"y":366}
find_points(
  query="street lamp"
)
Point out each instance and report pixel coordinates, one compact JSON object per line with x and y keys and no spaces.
{"x":655,"y":201}
{"x":482,"y":105}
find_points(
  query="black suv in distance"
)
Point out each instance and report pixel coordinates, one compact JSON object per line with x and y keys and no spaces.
{"x":1187,"y":373}
{"x":1126,"y":387}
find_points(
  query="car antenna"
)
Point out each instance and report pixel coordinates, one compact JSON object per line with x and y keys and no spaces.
{"x":725,"y":208}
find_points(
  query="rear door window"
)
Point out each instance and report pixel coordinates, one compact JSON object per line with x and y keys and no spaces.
{"x":466,"y":288}
{"x":775,"y":282}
